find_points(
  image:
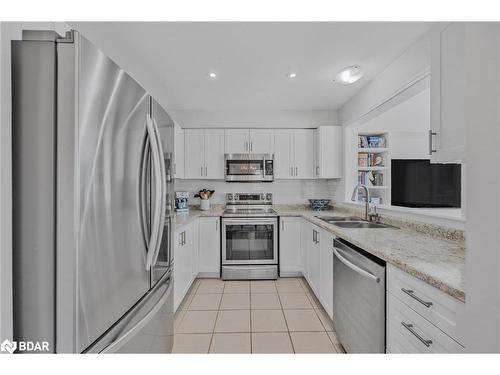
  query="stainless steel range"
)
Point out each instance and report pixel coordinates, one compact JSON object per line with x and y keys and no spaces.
{"x":249,"y":237}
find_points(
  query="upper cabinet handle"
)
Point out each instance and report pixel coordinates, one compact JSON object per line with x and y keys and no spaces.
{"x":431,"y":149}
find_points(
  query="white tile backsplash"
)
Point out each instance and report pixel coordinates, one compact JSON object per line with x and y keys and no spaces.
{"x":284,"y":191}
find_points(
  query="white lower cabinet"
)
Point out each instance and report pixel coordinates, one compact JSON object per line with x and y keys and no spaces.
{"x":209,"y":249}
{"x":304,"y":243}
{"x":409,"y":332}
{"x":185,"y":260}
{"x":290,"y":241}
{"x":313,"y":259}
{"x":421,"y":318}
{"x":326,"y":272}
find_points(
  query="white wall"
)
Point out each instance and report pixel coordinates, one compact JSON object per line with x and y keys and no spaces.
{"x":284,"y":191}
{"x":9,"y":31}
{"x":254,"y":119}
{"x":482,"y":262}
{"x":412,"y":64}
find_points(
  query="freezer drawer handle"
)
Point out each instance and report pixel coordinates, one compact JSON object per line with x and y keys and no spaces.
{"x":355,"y":268}
{"x":127,"y":336}
{"x":409,"y":327}
{"x":411,"y":293}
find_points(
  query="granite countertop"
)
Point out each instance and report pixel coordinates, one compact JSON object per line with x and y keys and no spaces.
{"x":183,"y":218}
{"x":438,"y":262}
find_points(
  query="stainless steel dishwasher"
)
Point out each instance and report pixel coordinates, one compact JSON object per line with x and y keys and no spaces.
{"x":358,"y":299}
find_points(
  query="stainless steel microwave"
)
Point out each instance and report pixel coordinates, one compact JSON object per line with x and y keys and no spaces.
{"x":249,"y":167}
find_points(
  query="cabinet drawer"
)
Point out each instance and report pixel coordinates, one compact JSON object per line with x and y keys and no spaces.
{"x":442,"y":310}
{"x":408,"y":332}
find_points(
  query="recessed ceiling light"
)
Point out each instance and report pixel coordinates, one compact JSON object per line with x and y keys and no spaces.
{"x":349,"y":75}
{"x":212,"y":75}
{"x":292,"y":75}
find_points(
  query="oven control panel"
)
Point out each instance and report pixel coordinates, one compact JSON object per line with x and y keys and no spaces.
{"x":249,"y":198}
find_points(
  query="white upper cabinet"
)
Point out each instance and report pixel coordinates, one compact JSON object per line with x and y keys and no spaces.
{"x":214,"y":153}
{"x":447,"y":142}
{"x":236,"y":141}
{"x":194,"y":147}
{"x":304,"y":153}
{"x":204,"y":153}
{"x":255,"y":141}
{"x":283,"y":153}
{"x":261,"y":141}
{"x":328,"y":152}
{"x":294,"y":153}
{"x":178,"y":152}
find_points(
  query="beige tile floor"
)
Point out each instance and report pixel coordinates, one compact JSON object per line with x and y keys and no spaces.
{"x":281,"y":316}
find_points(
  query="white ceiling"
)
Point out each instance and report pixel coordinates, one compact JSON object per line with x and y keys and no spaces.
{"x":172,"y":60}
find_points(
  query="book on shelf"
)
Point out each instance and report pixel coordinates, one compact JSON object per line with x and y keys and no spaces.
{"x":370,"y":160}
{"x":362,"y":160}
{"x":370,"y":178}
{"x":371,"y":141}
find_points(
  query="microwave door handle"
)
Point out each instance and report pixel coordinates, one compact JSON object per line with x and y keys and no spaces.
{"x":355,"y":268}
{"x":158,"y":190}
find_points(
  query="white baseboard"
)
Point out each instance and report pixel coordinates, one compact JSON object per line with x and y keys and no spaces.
{"x":208,"y":275}
{"x":290,"y":273}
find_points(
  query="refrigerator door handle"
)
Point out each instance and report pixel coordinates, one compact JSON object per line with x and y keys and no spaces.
{"x":158,"y":191}
{"x":141,"y":198}
{"x":127,"y":336}
{"x":163,"y":196}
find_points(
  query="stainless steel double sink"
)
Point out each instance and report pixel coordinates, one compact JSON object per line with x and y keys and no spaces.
{"x":353,"y":222}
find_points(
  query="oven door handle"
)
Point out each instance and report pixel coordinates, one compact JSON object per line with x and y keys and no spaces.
{"x":249,"y":220}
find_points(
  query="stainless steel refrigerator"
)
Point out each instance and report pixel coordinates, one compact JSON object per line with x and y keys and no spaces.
{"x":92,"y":202}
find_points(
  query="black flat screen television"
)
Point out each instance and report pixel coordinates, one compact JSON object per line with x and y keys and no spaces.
{"x":418,"y":183}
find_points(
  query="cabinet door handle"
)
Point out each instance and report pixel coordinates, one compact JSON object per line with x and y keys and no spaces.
{"x":246,"y":146}
{"x":184,"y":237}
{"x":180,"y":239}
{"x":317,"y":170}
{"x":411,"y":293}
{"x":296,"y":171}
{"x":201,"y":171}
{"x":175,"y":169}
{"x":409,"y":327}
{"x":431,"y":149}
{"x":291,"y":171}
{"x":206,"y":171}
{"x":314,"y":236}
{"x":217,"y":225}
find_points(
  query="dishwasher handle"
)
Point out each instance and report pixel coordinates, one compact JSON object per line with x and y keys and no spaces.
{"x":354,"y":267}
